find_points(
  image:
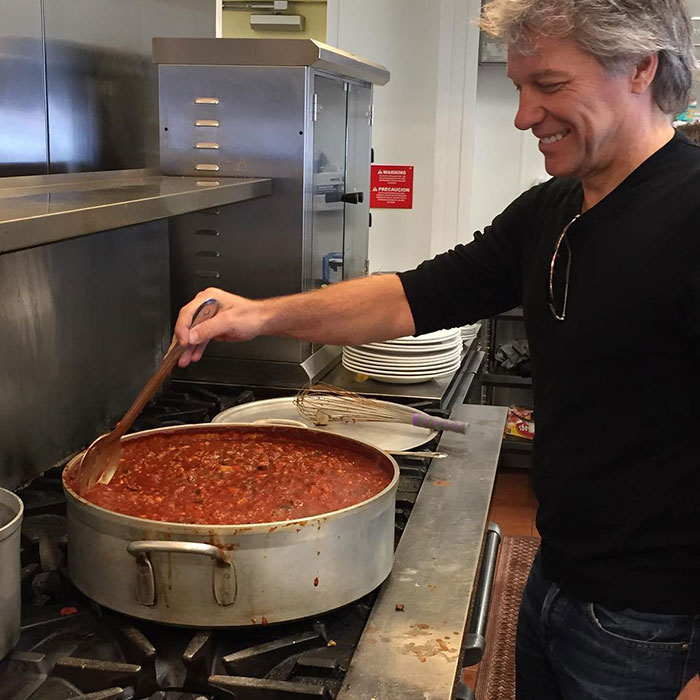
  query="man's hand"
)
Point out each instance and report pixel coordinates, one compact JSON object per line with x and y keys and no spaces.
{"x":691,"y":690}
{"x":238,"y":319}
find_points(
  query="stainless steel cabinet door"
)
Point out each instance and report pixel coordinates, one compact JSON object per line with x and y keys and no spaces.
{"x":328,"y":209}
{"x":357,"y":181}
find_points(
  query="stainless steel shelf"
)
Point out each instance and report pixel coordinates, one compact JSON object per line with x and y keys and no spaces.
{"x":40,"y":209}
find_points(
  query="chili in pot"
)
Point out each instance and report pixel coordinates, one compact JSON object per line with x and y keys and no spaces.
{"x":211,"y":477}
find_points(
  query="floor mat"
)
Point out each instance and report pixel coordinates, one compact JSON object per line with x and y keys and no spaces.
{"x":496,"y":678}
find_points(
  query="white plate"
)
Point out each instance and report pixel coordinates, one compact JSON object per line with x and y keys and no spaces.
{"x":409,"y":350}
{"x":390,"y":371}
{"x":393,"y":369}
{"x":434,"y":337}
{"x":410,"y":361}
{"x":393,"y":437}
{"x":424,"y":347}
{"x":456,"y":357}
{"x":400,"y":343}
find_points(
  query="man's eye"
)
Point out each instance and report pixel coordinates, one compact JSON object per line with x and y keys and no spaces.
{"x":550,"y":87}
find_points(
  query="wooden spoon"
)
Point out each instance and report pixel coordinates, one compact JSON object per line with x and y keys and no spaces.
{"x":101,"y":459}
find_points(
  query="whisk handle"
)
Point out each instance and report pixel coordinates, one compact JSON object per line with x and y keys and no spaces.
{"x":423,"y":420}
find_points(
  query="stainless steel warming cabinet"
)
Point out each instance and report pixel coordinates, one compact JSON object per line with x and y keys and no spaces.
{"x":293,"y":110}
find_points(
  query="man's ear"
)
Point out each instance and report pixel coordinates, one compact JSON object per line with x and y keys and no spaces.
{"x":643,"y":73}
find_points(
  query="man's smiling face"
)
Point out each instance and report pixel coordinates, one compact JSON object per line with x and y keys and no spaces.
{"x":577,"y":109}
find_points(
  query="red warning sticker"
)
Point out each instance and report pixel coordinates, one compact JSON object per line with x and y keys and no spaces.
{"x":391,"y":187}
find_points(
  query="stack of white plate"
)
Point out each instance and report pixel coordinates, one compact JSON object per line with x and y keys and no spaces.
{"x":408,"y":360}
{"x":469,"y":332}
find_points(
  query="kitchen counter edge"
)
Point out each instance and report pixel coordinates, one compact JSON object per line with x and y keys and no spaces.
{"x":411,"y":648}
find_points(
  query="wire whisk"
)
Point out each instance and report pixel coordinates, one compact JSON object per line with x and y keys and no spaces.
{"x":323,"y":403}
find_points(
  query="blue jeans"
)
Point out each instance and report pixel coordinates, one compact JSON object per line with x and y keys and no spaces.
{"x":570,"y":649}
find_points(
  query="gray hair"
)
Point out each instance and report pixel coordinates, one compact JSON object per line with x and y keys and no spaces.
{"x":617,"y":33}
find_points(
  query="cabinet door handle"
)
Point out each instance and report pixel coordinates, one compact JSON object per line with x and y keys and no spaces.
{"x":476,"y":637}
{"x":353,"y":197}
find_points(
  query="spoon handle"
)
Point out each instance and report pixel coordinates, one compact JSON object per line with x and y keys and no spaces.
{"x":205,"y":311}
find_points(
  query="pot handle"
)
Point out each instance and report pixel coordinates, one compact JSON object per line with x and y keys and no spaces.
{"x":224,"y":583}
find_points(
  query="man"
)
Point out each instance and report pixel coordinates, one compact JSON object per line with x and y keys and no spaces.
{"x":605,"y":260}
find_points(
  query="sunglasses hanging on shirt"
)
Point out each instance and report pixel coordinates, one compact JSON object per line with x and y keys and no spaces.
{"x":559,"y":273}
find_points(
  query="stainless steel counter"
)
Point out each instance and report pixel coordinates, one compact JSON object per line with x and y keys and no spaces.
{"x":415,"y":654}
{"x":47,"y":208}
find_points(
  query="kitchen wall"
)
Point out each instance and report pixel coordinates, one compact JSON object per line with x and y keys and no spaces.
{"x":441,"y":112}
{"x":236,"y":21}
{"x":423,"y":117}
{"x":506,"y":161}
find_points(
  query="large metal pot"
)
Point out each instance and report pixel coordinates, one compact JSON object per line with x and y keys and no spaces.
{"x":226,"y":575}
{"x":11,"y":510}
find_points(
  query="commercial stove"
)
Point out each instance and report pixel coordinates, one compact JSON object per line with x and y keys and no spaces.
{"x":403,"y":640}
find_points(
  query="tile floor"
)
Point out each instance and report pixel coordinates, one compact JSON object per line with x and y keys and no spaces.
{"x":513,"y":508}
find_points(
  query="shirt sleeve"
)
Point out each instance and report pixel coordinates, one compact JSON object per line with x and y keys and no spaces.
{"x":472,"y":281}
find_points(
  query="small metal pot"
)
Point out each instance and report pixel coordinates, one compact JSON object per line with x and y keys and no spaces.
{"x":228,"y":575}
{"x":11,"y":510}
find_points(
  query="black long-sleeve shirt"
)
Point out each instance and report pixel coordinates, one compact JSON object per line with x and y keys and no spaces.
{"x":616,"y":456}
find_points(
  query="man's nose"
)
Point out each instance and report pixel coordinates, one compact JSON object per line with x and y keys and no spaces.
{"x":530,"y":112}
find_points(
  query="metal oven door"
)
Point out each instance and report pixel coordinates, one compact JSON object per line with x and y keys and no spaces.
{"x":328,"y":183}
{"x":355,"y":256}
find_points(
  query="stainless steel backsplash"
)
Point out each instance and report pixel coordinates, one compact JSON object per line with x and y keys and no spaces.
{"x":23,"y":136}
{"x":83,"y":322}
{"x":78,"y":82}
{"x":102,"y":85}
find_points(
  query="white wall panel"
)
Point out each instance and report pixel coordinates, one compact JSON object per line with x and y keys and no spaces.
{"x":403,"y":35}
{"x":455,"y":124}
{"x":441,"y":112}
{"x":506,"y":161}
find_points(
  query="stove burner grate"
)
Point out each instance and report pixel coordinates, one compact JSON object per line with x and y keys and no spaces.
{"x":95,"y":653}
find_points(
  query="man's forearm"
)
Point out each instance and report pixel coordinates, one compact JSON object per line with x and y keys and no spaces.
{"x":357,"y":311}
{"x":348,"y":313}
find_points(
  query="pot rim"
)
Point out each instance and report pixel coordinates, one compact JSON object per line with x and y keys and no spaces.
{"x":8,"y":528}
{"x":238,"y":528}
